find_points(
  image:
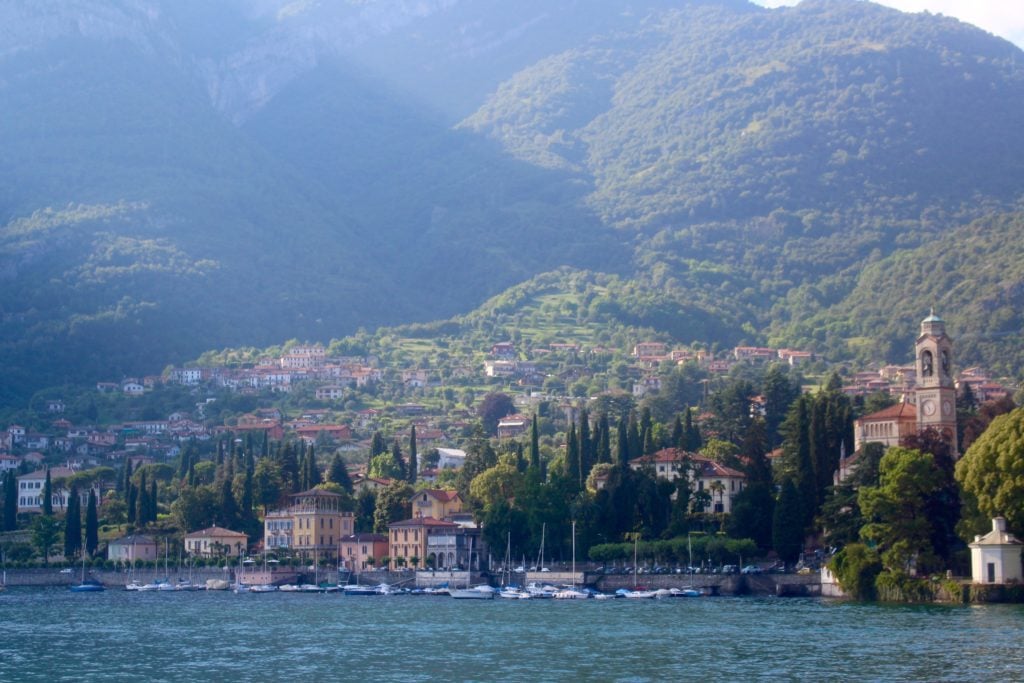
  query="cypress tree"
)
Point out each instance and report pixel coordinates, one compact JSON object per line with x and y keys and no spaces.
{"x":413,"y":457}
{"x":817,"y":441}
{"x":804,"y":478}
{"x":126,"y":479}
{"x":396,"y":453}
{"x":622,"y":447}
{"x":186,"y":458}
{"x":678,"y":435}
{"x":534,"y":445}
{"x":377,"y":444}
{"x":603,"y":438}
{"x":693,"y":437}
{"x":10,"y":502}
{"x":787,"y":525}
{"x":636,"y":444}
{"x":130,"y":498}
{"x":585,"y":445}
{"x":92,"y":527}
{"x":73,"y":524}
{"x":649,"y":445}
{"x":573,"y":466}
{"x":152,"y":502}
{"x":315,"y":477}
{"x":290,"y":472}
{"x":142,"y":502}
{"x":247,"y":495}
{"x":228,"y":507}
{"x":338,"y":473}
{"x":48,"y":495}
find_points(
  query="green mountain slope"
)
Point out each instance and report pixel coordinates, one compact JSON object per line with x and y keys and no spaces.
{"x":973,"y":277}
{"x":180,"y":176}
{"x":715,"y":112}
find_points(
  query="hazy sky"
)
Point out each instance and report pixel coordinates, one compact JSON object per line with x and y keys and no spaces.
{"x":1004,"y":18}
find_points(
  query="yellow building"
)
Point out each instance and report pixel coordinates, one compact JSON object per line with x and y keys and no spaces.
{"x":436,"y":503}
{"x":408,"y":540}
{"x":314,"y":523}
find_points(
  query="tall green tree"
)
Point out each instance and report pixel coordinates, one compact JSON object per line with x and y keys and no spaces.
{"x":47,"y":495}
{"x":991,"y":476}
{"x":338,"y":473}
{"x":268,"y":487}
{"x":573,"y":457}
{"x":787,"y":523}
{"x":92,"y":527}
{"x":534,"y":445}
{"x":895,"y":510}
{"x":622,"y":446}
{"x":393,"y":505}
{"x":45,"y":535}
{"x":779,"y":394}
{"x":400,"y":466}
{"x":315,"y":476}
{"x":73,"y":524}
{"x":10,"y":501}
{"x":228,"y":513}
{"x":414,"y":464}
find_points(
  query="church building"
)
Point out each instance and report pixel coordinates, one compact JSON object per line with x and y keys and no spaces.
{"x":932,"y":403}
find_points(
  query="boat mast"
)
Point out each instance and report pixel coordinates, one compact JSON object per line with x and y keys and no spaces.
{"x":574,"y":554}
{"x":636,"y":541}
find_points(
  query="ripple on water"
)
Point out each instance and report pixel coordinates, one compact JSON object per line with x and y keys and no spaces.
{"x":53,"y":635}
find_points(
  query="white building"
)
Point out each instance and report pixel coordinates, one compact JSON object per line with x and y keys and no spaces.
{"x":995,"y":557}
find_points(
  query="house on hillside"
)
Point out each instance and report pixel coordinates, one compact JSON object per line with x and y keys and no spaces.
{"x":721,"y":483}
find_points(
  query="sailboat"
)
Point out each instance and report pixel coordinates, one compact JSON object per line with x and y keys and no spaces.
{"x":510,"y":591}
{"x":572,"y":593}
{"x":90,"y":586}
{"x":636,"y":593}
{"x":481,"y":592}
{"x":688,"y":591}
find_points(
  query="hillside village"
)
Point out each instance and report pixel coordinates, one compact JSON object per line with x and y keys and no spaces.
{"x":497,"y":407}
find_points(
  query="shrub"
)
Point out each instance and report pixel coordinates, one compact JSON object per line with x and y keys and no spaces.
{"x":857,"y":567}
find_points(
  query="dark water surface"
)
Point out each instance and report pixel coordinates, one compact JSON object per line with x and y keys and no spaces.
{"x":53,"y":635}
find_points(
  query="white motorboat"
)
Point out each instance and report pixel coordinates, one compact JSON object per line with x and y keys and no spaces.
{"x":482,"y":592}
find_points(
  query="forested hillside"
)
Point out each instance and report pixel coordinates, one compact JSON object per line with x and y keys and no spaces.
{"x":183,"y":176}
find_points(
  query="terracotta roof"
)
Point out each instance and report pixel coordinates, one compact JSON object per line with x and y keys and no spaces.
{"x":215,"y":531}
{"x":364,"y":538}
{"x":440,"y":494}
{"x":423,"y":521}
{"x":899,"y":411}
{"x":665,"y":455}
{"x":707,"y":468}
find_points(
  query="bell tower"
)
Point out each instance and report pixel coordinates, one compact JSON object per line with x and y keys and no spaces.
{"x":935,"y":392}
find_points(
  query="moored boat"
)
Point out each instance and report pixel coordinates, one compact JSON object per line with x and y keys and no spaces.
{"x":482,"y":592}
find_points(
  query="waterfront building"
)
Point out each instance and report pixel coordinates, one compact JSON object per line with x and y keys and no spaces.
{"x":216,"y":541}
{"x":360,"y":552}
{"x":996,"y":556}
{"x":313,"y":524}
{"x":131,"y":548}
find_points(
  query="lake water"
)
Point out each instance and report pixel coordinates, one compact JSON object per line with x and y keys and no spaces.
{"x":52,"y":635}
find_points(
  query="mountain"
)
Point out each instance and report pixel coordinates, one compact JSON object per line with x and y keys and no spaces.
{"x":973,"y":276}
{"x":180,"y":175}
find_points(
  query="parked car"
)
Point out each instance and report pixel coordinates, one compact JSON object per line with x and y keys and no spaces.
{"x":751,"y":569}
{"x":66,"y":570}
